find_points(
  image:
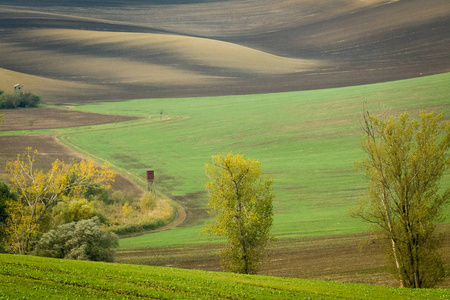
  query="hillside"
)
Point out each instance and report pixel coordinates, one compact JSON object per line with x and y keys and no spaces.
{"x":162,"y":51}
{"x":308,"y":141}
{"x":35,"y":277}
{"x":74,"y":51}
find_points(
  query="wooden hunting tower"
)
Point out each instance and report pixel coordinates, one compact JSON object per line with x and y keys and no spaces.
{"x":151,"y":181}
{"x":18,"y":88}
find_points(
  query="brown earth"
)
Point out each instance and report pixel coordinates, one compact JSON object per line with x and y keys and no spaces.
{"x":70,"y":51}
{"x":336,"y":258}
{"x":51,"y":118}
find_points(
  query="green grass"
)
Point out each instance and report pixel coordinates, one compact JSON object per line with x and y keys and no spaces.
{"x":308,"y":141}
{"x":28,"y":277}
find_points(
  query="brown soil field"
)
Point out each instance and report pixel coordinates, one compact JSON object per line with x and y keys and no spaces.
{"x":49,"y":149}
{"x":51,"y":118}
{"x":336,"y":258}
{"x":71,"y":52}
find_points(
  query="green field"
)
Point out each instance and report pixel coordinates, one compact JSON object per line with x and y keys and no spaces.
{"x":28,"y":277}
{"x":308,"y":141}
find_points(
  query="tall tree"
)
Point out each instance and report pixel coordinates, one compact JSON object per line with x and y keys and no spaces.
{"x":38,"y":192}
{"x":5,"y":196}
{"x":241,"y":200}
{"x":405,"y":162}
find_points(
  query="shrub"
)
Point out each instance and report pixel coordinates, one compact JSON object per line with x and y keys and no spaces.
{"x":11,"y":101}
{"x":121,"y":197}
{"x":73,"y":210}
{"x":147,"y":202}
{"x":97,"y":193}
{"x":83,"y":240}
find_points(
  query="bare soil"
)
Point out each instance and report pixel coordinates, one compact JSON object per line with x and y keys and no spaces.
{"x":335,"y":258}
{"x":51,"y":118}
{"x":70,"y":51}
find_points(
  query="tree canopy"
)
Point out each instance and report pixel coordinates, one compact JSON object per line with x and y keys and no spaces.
{"x":82,"y":240}
{"x":241,"y":201}
{"x":405,"y":162}
{"x":39,"y":191}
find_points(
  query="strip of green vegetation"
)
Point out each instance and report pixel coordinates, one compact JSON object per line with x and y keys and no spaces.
{"x":78,"y":129}
{"x":28,"y":277}
{"x":308,"y":141}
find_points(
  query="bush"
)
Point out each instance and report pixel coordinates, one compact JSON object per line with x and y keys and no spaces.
{"x":121,"y":197}
{"x":11,"y":101}
{"x":134,"y":228}
{"x":147,"y":202}
{"x":83,"y":240}
{"x":96,"y":193}
{"x":73,"y":210}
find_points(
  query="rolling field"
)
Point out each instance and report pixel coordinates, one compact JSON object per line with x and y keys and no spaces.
{"x":35,"y":277}
{"x":72,"y":52}
{"x":257,"y":77}
{"x":308,"y":141}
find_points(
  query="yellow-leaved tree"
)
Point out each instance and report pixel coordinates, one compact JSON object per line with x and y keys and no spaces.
{"x":241,"y":200}
{"x":40,"y":191}
{"x":405,"y":162}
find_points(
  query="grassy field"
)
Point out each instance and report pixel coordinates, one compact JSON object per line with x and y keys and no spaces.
{"x":308,"y":141}
{"x":28,"y":277}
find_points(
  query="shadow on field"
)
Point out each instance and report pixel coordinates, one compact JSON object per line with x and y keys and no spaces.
{"x":69,"y":51}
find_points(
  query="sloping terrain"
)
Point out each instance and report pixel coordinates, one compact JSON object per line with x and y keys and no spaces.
{"x":70,"y":279}
{"x":109,"y":50}
{"x":50,"y":149}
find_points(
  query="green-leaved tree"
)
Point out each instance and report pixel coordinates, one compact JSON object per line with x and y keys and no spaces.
{"x":5,"y":196}
{"x":241,"y":201}
{"x":82,"y":240}
{"x":405,"y":162}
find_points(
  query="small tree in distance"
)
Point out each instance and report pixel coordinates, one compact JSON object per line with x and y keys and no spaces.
{"x":242,"y":204}
{"x":405,"y":162}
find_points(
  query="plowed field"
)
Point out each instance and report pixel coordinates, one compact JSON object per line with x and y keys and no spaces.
{"x":70,"y":51}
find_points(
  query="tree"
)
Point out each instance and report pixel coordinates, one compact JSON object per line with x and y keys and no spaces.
{"x":39,"y":192}
{"x":5,"y":196}
{"x":82,"y":240}
{"x":405,"y":161}
{"x":242,"y":204}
